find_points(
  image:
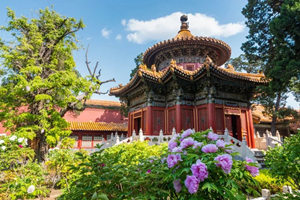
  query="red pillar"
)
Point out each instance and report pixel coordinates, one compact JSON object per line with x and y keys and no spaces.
{"x":211,"y":116}
{"x":251,"y":131}
{"x":178,"y":118}
{"x":149,"y":121}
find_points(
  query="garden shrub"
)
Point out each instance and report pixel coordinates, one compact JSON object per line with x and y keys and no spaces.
{"x":266,"y":181}
{"x":284,"y":161}
{"x":58,"y":166}
{"x":197,"y":166}
{"x":202,"y":167}
{"x":20,"y":176}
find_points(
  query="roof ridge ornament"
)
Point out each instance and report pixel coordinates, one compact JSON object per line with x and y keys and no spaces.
{"x":184,"y":23}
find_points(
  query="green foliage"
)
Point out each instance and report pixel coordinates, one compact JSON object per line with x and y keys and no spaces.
{"x":18,"y":171}
{"x":138,"y":60}
{"x":139,"y":171}
{"x":241,"y":64}
{"x":274,"y":41}
{"x":284,"y":161}
{"x":266,"y":181}
{"x":58,"y":166}
{"x":39,"y":80}
{"x":121,"y":172}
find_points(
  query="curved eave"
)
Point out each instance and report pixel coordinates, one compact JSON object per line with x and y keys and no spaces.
{"x":165,"y":75}
{"x":204,"y":41}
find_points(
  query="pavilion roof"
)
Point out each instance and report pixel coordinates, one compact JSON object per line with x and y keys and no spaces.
{"x":97,"y":126}
{"x":163,"y":76}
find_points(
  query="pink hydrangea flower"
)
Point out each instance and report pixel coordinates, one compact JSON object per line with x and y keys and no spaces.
{"x":148,"y":171}
{"x":172,"y":144}
{"x":172,"y":160}
{"x":199,"y":170}
{"x":225,"y":162}
{"x":220,"y":144}
{"x":254,"y":171}
{"x":212,"y":136}
{"x":187,"y":133}
{"x":192,"y":184}
{"x":21,"y":146}
{"x":197,"y":144}
{"x":187,"y":142}
{"x":209,"y":148}
{"x":177,"y":185}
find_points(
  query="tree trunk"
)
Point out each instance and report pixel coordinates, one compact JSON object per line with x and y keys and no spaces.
{"x":274,"y":117}
{"x":41,"y":148}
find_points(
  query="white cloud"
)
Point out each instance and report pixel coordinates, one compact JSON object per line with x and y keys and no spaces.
{"x":167,"y":27}
{"x":119,"y":37}
{"x":123,"y":22}
{"x":105,"y":32}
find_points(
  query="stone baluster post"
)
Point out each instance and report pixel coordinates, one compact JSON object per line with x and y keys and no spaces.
{"x":141,"y":136}
{"x":267,"y":138}
{"x":278,"y":135}
{"x":133,"y":135}
{"x":117,"y":138}
{"x":173,"y":131}
{"x":122,"y":136}
{"x":226,"y":135}
{"x":161,"y":136}
{"x":244,"y":148}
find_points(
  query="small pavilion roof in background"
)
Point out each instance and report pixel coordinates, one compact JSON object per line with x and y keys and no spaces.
{"x":98,"y":126}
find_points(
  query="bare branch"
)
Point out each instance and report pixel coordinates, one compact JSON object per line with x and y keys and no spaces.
{"x":107,"y":81}
{"x":87,"y":61}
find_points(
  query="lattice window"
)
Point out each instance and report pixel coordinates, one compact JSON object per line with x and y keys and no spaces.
{"x":97,"y":140}
{"x":86,"y":141}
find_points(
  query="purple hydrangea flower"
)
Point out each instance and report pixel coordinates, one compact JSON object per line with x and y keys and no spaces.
{"x":187,"y":142}
{"x":177,"y":185}
{"x":177,"y":150}
{"x":148,"y":171}
{"x":225,"y":162}
{"x":209,"y":148}
{"x":212,"y":136}
{"x":220,"y":144}
{"x":172,"y":160}
{"x":199,"y":170}
{"x":187,"y":133}
{"x":197,"y":144}
{"x":249,"y":160}
{"x":172,"y":144}
{"x":192,"y":184}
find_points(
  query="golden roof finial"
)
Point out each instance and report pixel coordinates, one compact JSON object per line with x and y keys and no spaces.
{"x":184,"y":31}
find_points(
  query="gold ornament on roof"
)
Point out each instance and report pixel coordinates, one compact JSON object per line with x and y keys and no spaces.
{"x":143,"y":66}
{"x":173,"y":62}
{"x":153,"y":68}
{"x":230,"y":67}
{"x":184,"y":28}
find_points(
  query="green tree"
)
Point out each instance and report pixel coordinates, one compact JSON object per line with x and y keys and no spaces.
{"x":241,"y":63}
{"x":274,"y":40}
{"x":138,"y":60}
{"x":40,"y":83}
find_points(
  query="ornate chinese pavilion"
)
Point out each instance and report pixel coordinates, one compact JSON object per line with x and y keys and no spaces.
{"x":181,"y":85}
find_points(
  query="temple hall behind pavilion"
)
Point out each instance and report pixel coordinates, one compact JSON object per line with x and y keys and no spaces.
{"x":182,"y":85}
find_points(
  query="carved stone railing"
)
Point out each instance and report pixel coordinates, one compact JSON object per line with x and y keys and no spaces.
{"x":238,"y":146}
{"x":267,"y":140}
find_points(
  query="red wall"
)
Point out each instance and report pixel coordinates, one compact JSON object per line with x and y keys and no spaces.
{"x":202,"y":117}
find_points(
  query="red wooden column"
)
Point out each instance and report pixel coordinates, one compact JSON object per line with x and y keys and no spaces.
{"x":251,"y":131}
{"x":178,"y":118}
{"x":211,"y":116}
{"x":149,"y":124}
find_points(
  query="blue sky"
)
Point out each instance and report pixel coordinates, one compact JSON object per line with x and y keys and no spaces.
{"x":118,"y":30}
